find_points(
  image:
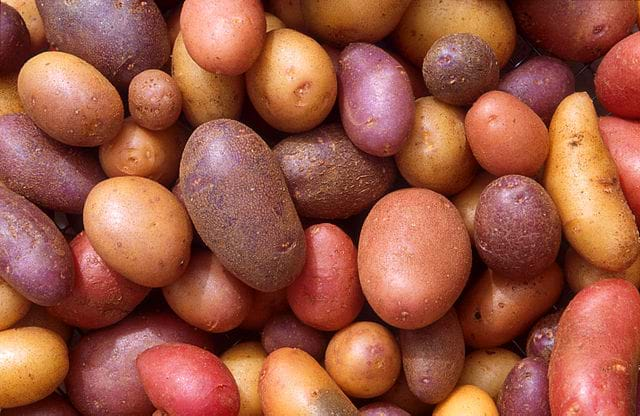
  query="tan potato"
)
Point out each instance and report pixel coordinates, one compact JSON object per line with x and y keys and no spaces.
{"x":436,"y":154}
{"x":467,"y":200}
{"x":245,"y":361}
{"x":40,"y":317}
{"x":33,"y":20}
{"x":582,"y":180}
{"x":155,"y":101}
{"x":34,"y":362}
{"x":9,"y":98}
{"x":205,"y":96}
{"x":13,"y":306}
{"x":273,"y":22}
{"x":488,"y":369}
{"x":580,"y":273}
{"x":467,"y":400}
{"x":293,"y":84}
{"x":425,"y":21}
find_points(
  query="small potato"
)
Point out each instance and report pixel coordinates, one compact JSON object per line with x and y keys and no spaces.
{"x":467,"y":400}
{"x":52,"y":405}
{"x":35,"y":361}
{"x":244,"y":361}
{"x":290,"y":12}
{"x":488,"y":369}
{"x":15,"y":43}
{"x":155,"y":101}
{"x":140,"y":230}
{"x":376,"y":100}
{"x":542,"y":337}
{"x":263,"y":307}
{"x":205,"y":96}
{"x":292,"y":382}
{"x":525,"y":391}
{"x":292,"y":85}
{"x":287,"y":331}
{"x":13,"y":306}
{"x":207,"y":296}
{"x":436,"y":154}
{"x":39,"y":316}
{"x":382,"y":409}
{"x":31,"y":16}
{"x":459,"y":68}
{"x":414,"y":74}
{"x":580,"y":273}
{"x":506,"y":136}
{"x":70,"y":100}
{"x":467,"y":200}
{"x":363,"y":359}
{"x":273,"y":22}
{"x":9,"y":98}
{"x":401,"y":396}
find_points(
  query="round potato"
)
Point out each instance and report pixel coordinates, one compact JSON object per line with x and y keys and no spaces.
{"x":580,"y":273}
{"x":487,"y":369}
{"x":13,"y":306}
{"x":52,"y":405}
{"x":467,"y":200}
{"x":9,"y":97}
{"x":244,"y":361}
{"x":155,"y":101}
{"x":525,"y":391}
{"x":287,"y":331}
{"x":542,"y":337}
{"x":15,"y":43}
{"x":39,"y":316}
{"x":467,"y":400}
{"x":29,"y":12}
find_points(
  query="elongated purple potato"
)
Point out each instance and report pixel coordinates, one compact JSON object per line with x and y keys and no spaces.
{"x":35,"y":259}
{"x":376,"y":100}
{"x":525,"y":391}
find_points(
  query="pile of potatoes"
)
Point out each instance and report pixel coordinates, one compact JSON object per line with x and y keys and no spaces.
{"x":323,"y":208}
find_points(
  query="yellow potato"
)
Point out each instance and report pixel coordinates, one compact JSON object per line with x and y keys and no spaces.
{"x":582,"y":180}
{"x":488,"y":368}
{"x":467,"y":200}
{"x":273,"y":22}
{"x":13,"y":306}
{"x":9,"y":98}
{"x":245,"y":363}
{"x":467,"y":401}
{"x":580,"y":273}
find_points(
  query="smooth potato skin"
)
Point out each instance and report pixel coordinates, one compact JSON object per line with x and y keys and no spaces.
{"x":594,"y":365}
{"x":525,"y":391}
{"x":15,"y":43}
{"x":467,"y":400}
{"x":467,"y":201}
{"x":488,"y":368}
{"x":244,"y":361}
{"x":580,"y":273}
{"x":581,"y":178}
{"x":52,"y":405}
{"x":45,"y":171}
{"x":433,"y":358}
{"x":542,"y":336}
{"x":286,"y":330}
{"x":34,"y":256}
{"x":290,"y":12}
{"x":265,"y":248}
{"x":40,"y":317}
{"x":13,"y":306}
{"x":405,"y":264}
{"x":29,"y":12}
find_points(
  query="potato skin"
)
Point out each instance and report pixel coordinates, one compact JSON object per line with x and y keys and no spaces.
{"x":376,"y":126}
{"x":525,"y":391}
{"x":9,"y":98}
{"x":290,"y":12}
{"x":69,"y":99}
{"x":400,"y":395}
{"x":467,"y":400}
{"x":52,"y":405}
{"x":45,"y":171}
{"x":292,"y":382}
{"x":39,"y":316}
{"x":404,"y":262}
{"x":580,"y":273}
{"x":264,"y":306}
{"x":488,"y":368}
{"x":265,"y":248}
{"x":589,"y":29}
{"x":433,"y":357}
{"x":135,"y":40}
{"x":155,"y":101}
{"x":581,"y":178}
{"x":542,"y":336}
{"x":29,"y":12}
{"x":382,"y":409}
{"x":15,"y":43}
{"x":286,"y":330}
{"x":36,"y":362}
{"x":467,"y":201}
{"x":34,"y":256}
{"x":273,"y":22}
{"x":13,"y":306}
{"x":244,"y":361}
{"x":328,"y":177}
{"x":594,"y":365}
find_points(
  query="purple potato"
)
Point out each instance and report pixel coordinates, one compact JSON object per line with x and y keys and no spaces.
{"x":287,"y":331}
{"x":542,"y":337}
{"x":15,"y":43}
{"x":525,"y":391}
{"x":382,"y":409}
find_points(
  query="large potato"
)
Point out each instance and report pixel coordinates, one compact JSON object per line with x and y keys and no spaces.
{"x":245,"y":361}
{"x":414,"y":257}
{"x":13,"y":306}
{"x":582,"y":180}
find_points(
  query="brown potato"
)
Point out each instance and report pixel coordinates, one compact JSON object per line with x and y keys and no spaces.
{"x":580,"y":273}
{"x":401,"y":396}
{"x":69,"y":99}
{"x":436,"y":154}
{"x":31,"y":16}
{"x":140,"y":230}
{"x":487,"y":369}
{"x":467,"y":400}
{"x":273,"y":22}
{"x":39,"y":316}
{"x":155,"y":101}
{"x":9,"y":98}
{"x":264,"y":306}
{"x":13,"y":306}
{"x":467,"y":200}
{"x":245,"y":361}
{"x":290,"y":12}
{"x":292,"y":85}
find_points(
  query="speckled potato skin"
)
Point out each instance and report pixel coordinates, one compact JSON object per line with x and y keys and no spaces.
{"x":15,"y":43}
{"x":134,"y":40}
{"x":45,"y":171}
{"x":9,"y":98}
{"x":525,"y":391}
{"x":13,"y":306}
{"x":155,"y":101}
{"x":242,"y":208}
{"x":328,"y":177}
{"x":433,"y":357}
{"x":542,"y":336}
{"x":34,"y":256}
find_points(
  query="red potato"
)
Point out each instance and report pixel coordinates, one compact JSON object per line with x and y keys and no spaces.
{"x":327,"y":294}
{"x":182,"y":379}
{"x":594,"y":366}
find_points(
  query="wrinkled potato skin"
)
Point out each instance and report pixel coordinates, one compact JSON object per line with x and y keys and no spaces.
{"x":13,"y":306}
{"x":467,"y":201}
{"x":9,"y":97}
{"x":488,"y":369}
{"x":245,"y":361}
{"x":580,"y":273}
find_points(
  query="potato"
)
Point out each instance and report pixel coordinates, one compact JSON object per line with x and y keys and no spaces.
{"x":328,"y":177}
{"x":425,"y":21}
{"x":134,"y":40}
{"x":13,"y":306}
{"x":582,"y":180}
{"x":414,"y":74}
{"x":436,"y":154}
{"x":136,"y":151}
{"x":414,"y":257}
{"x":400,"y":395}
{"x":15,"y":43}
{"x":459,"y":68}
{"x":526,"y":390}
{"x":244,"y":361}
{"x":433,"y":357}
{"x":185,"y":379}
{"x":263,"y":307}
{"x":292,"y":85}
{"x":343,"y":22}
{"x":52,"y":405}
{"x":506,"y":136}
{"x":363,"y":359}
{"x":102,"y":376}
{"x":9,"y":98}
{"x":140,"y":230}
{"x":223,"y":36}
{"x":100,"y":296}
{"x":467,"y":201}
{"x":587,"y":32}
{"x":580,"y":273}
{"x":45,"y":171}
{"x":34,"y":363}
{"x":155,"y":101}
{"x":382,"y":409}
{"x":173,"y":24}
{"x":207,"y":296}
{"x":517,"y":229}
{"x":242,"y":211}
{"x":542,"y":337}
{"x":35,"y":259}
{"x":327,"y":293}
{"x":488,"y":368}
{"x":40,"y":317}
{"x":206,"y":96}
{"x":273,"y":22}
{"x":292,"y":382}
{"x":290,"y":12}
{"x":467,"y":400}
{"x":376,"y":100}
{"x":29,"y":12}
{"x":541,"y":82}
{"x":287,"y":331}
{"x":594,"y":365}
{"x":69,"y":99}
